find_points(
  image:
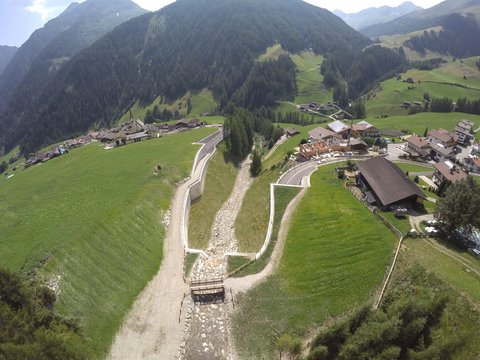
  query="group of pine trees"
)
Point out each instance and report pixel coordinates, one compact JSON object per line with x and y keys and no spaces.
{"x":404,"y":327}
{"x":29,"y":327}
{"x":445,"y":105}
{"x":458,"y":37}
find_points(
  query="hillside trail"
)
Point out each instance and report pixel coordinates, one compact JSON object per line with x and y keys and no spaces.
{"x":154,"y":327}
{"x":243,"y":284}
{"x":207,"y":330}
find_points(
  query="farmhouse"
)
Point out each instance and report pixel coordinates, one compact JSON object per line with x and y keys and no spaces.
{"x":341,"y":129}
{"x":322,"y":134}
{"x":387,"y":183}
{"x":364,"y":129}
{"x":137,"y":137}
{"x":289,"y":132}
{"x":358,"y":145}
{"x":447,"y":171}
{"x":417,"y":147}
{"x":443,"y":137}
{"x":187,"y":123}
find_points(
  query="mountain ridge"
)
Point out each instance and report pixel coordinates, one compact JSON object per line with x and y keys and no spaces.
{"x":61,"y":38}
{"x":376,"y":15}
{"x":423,"y":19}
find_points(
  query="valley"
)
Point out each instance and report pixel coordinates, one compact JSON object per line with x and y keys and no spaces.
{"x":267,"y":182}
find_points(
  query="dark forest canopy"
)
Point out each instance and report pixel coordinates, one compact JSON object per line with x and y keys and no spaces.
{"x":459,"y":37}
{"x":188,"y":45}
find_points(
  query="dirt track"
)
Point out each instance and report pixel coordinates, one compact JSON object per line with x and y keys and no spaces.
{"x":148,"y":333}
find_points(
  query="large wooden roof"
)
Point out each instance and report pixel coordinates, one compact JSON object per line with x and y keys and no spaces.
{"x":388,"y":181}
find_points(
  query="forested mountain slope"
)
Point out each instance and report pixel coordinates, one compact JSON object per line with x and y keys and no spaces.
{"x":188,"y":45}
{"x":48,"y":48}
{"x":424,"y":19}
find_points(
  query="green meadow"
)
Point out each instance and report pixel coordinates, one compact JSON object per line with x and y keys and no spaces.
{"x":91,"y":221}
{"x":453,"y":80}
{"x":309,"y":79}
{"x":448,"y":277}
{"x":219,"y":181}
{"x":252,"y":221}
{"x":335,"y":258}
{"x":419,"y":122}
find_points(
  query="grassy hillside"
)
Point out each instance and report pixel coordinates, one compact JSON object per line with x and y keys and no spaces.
{"x":252,"y":221}
{"x":388,"y":98}
{"x":395,"y":41}
{"x":221,"y":175}
{"x":202,"y":102}
{"x":335,"y":256}
{"x":459,"y":283}
{"x":91,"y":222}
{"x":418,"y":122}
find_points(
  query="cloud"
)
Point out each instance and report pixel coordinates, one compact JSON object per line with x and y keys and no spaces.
{"x":46,"y":9}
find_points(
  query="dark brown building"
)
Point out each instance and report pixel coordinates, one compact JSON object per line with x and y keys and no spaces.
{"x":388,"y":183}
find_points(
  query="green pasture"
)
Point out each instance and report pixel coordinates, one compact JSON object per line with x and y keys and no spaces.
{"x":419,"y":122}
{"x":91,"y":221}
{"x":335,"y":258}
{"x":453,"y":80}
{"x":219,"y":181}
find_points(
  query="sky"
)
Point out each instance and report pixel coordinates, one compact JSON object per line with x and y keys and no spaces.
{"x":20,"y":18}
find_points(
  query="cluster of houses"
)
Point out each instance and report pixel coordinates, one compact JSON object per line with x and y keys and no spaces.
{"x":337,"y":136}
{"x":123,"y":134}
{"x":440,"y":146}
{"x":316,"y":107}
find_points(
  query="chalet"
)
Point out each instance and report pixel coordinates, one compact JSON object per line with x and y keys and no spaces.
{"x":407,"y":104}
{"x":440,"y":153}
{"x":106,"y":136}
{"x":341,"y":129}
{"x":120,"y":138}
{"x":139,"y":136}
{"x":447,"y":171}
{"x":187,"y":123}
{"x":307,"y":151}
{"x":289,"y":132}
{"x":443,"y":137}
{"x":322,"y":134}
{"x":417,"y":147}
{"x":464,"y":131}
{"x":132,"y":126}
{"x":387,"y":183}
{"x":472,"y":164}
{"x":357,"y":145}
{"x":364,"y":129}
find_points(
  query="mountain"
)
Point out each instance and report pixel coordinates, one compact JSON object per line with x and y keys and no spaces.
{"x":424,"y":19}
{"x":188,"y":45}
{"x":373,"y":16}
{"x":50,"y":47}
{"x":6,"y":54}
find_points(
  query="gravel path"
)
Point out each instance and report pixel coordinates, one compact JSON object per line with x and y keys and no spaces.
{"x":207,"y":330}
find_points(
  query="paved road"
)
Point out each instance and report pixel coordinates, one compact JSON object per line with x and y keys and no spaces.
{"x":210,"y":142}
{"x":295,"y":175}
